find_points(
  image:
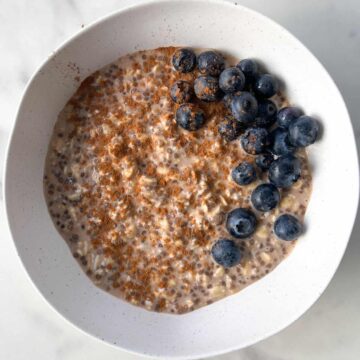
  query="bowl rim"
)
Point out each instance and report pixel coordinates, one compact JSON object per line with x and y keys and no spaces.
{"x":121,"y":11}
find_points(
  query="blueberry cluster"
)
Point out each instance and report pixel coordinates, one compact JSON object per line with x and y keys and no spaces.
{"x":207,"y":87}
{"x":272,"y":135}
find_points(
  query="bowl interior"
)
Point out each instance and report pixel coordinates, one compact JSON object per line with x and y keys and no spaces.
{"x":261,"y":309}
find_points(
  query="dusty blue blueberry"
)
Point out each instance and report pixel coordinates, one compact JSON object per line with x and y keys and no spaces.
{"x":285,"y":171}
{"x":287,"y":227}
{"x":190,"y":117}
{"x":266,"y":85}
{"x":231,"y":80}
{"x":250,"y":68}
{"x":280,"y":143}
{"x":227,"y":99}
{"x":303,"y":131}
{"x":181,"y":92}
{"x":226,"y":253}
{"x":211,"y":63}
{"x":263,"y":161}
{"x":230,"y":129}
{"x":287,"y":115}
{"x":265,"y":197}
{"x":241,"y":223}
{"x":207,"y":88}
{"x":255,"y":140}
{"x":184,"y":60}
{"x":244,"y":173}
{"x":244,"y":107}
{"x":266,"y":115}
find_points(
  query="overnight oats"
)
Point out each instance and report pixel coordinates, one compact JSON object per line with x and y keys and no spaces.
{"x":177,"y":180}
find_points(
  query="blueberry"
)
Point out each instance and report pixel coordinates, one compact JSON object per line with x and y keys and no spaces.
{"x":250,"y":69}
{"x":244,"y":173}
{"x":181,"y":92}
{"x":241,"y":223}
{"x":227,"y":99}
{"x":244,"y":107}
{"x":255,"y":140}
{"x":280,"y":143}
{"x":207,"y":88}
{"x":285,"y":171}
{"x":230,"y":129}
{"x":287,"y":227}
{"x":184,"y":60}
{"x":211,"y":63}
{"x":190,"y":117}
{"x":287,"y":115}
{"x":226,"y":253}
{"x":266,"y":85}
{"x":231,"y":80}
{"x":263,"y":161}
{"x":303,"y":131}
{"x":265,"y":197}
{"x":266,"y":115}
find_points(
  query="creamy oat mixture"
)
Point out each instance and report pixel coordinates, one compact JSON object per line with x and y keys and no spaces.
{"x":140,"y":201}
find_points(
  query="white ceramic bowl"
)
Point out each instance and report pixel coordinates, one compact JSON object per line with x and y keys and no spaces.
{"x":261,"y":309}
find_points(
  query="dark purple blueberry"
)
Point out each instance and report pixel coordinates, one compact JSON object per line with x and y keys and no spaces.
{"x":181,"y":92}
{"x":266,"y":115}
{"x":255,"y":140}
{"x":265,"y":197}
{"x":285,"y":171}
{"x":211,"y":63}
{"x":241,"y":223}
{"x":280,"y":143}
{"x":244,"y":107}
{"x":266,"y":85}
{"x":250,"y":69}
{"x":287,"y":115}
{"x":231,"y":80}
{"x":303,"y":131}
{"x":263,"y":161}
{"x":184,"y":60}
{"x":190,"y":117}
{"x":226,"y":253}
{"x":207,"y":88}
{"x":244,"y":173}
{"x":230,"y":129}
{"x":287,"y":227}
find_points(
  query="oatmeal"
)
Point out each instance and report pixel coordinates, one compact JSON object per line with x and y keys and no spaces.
{"x":141,"y":201}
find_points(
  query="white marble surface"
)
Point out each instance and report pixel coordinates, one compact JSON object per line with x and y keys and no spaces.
{"x":29,"y":329}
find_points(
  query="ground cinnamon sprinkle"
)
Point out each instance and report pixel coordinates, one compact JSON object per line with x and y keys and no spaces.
{"x":142,"y":200}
